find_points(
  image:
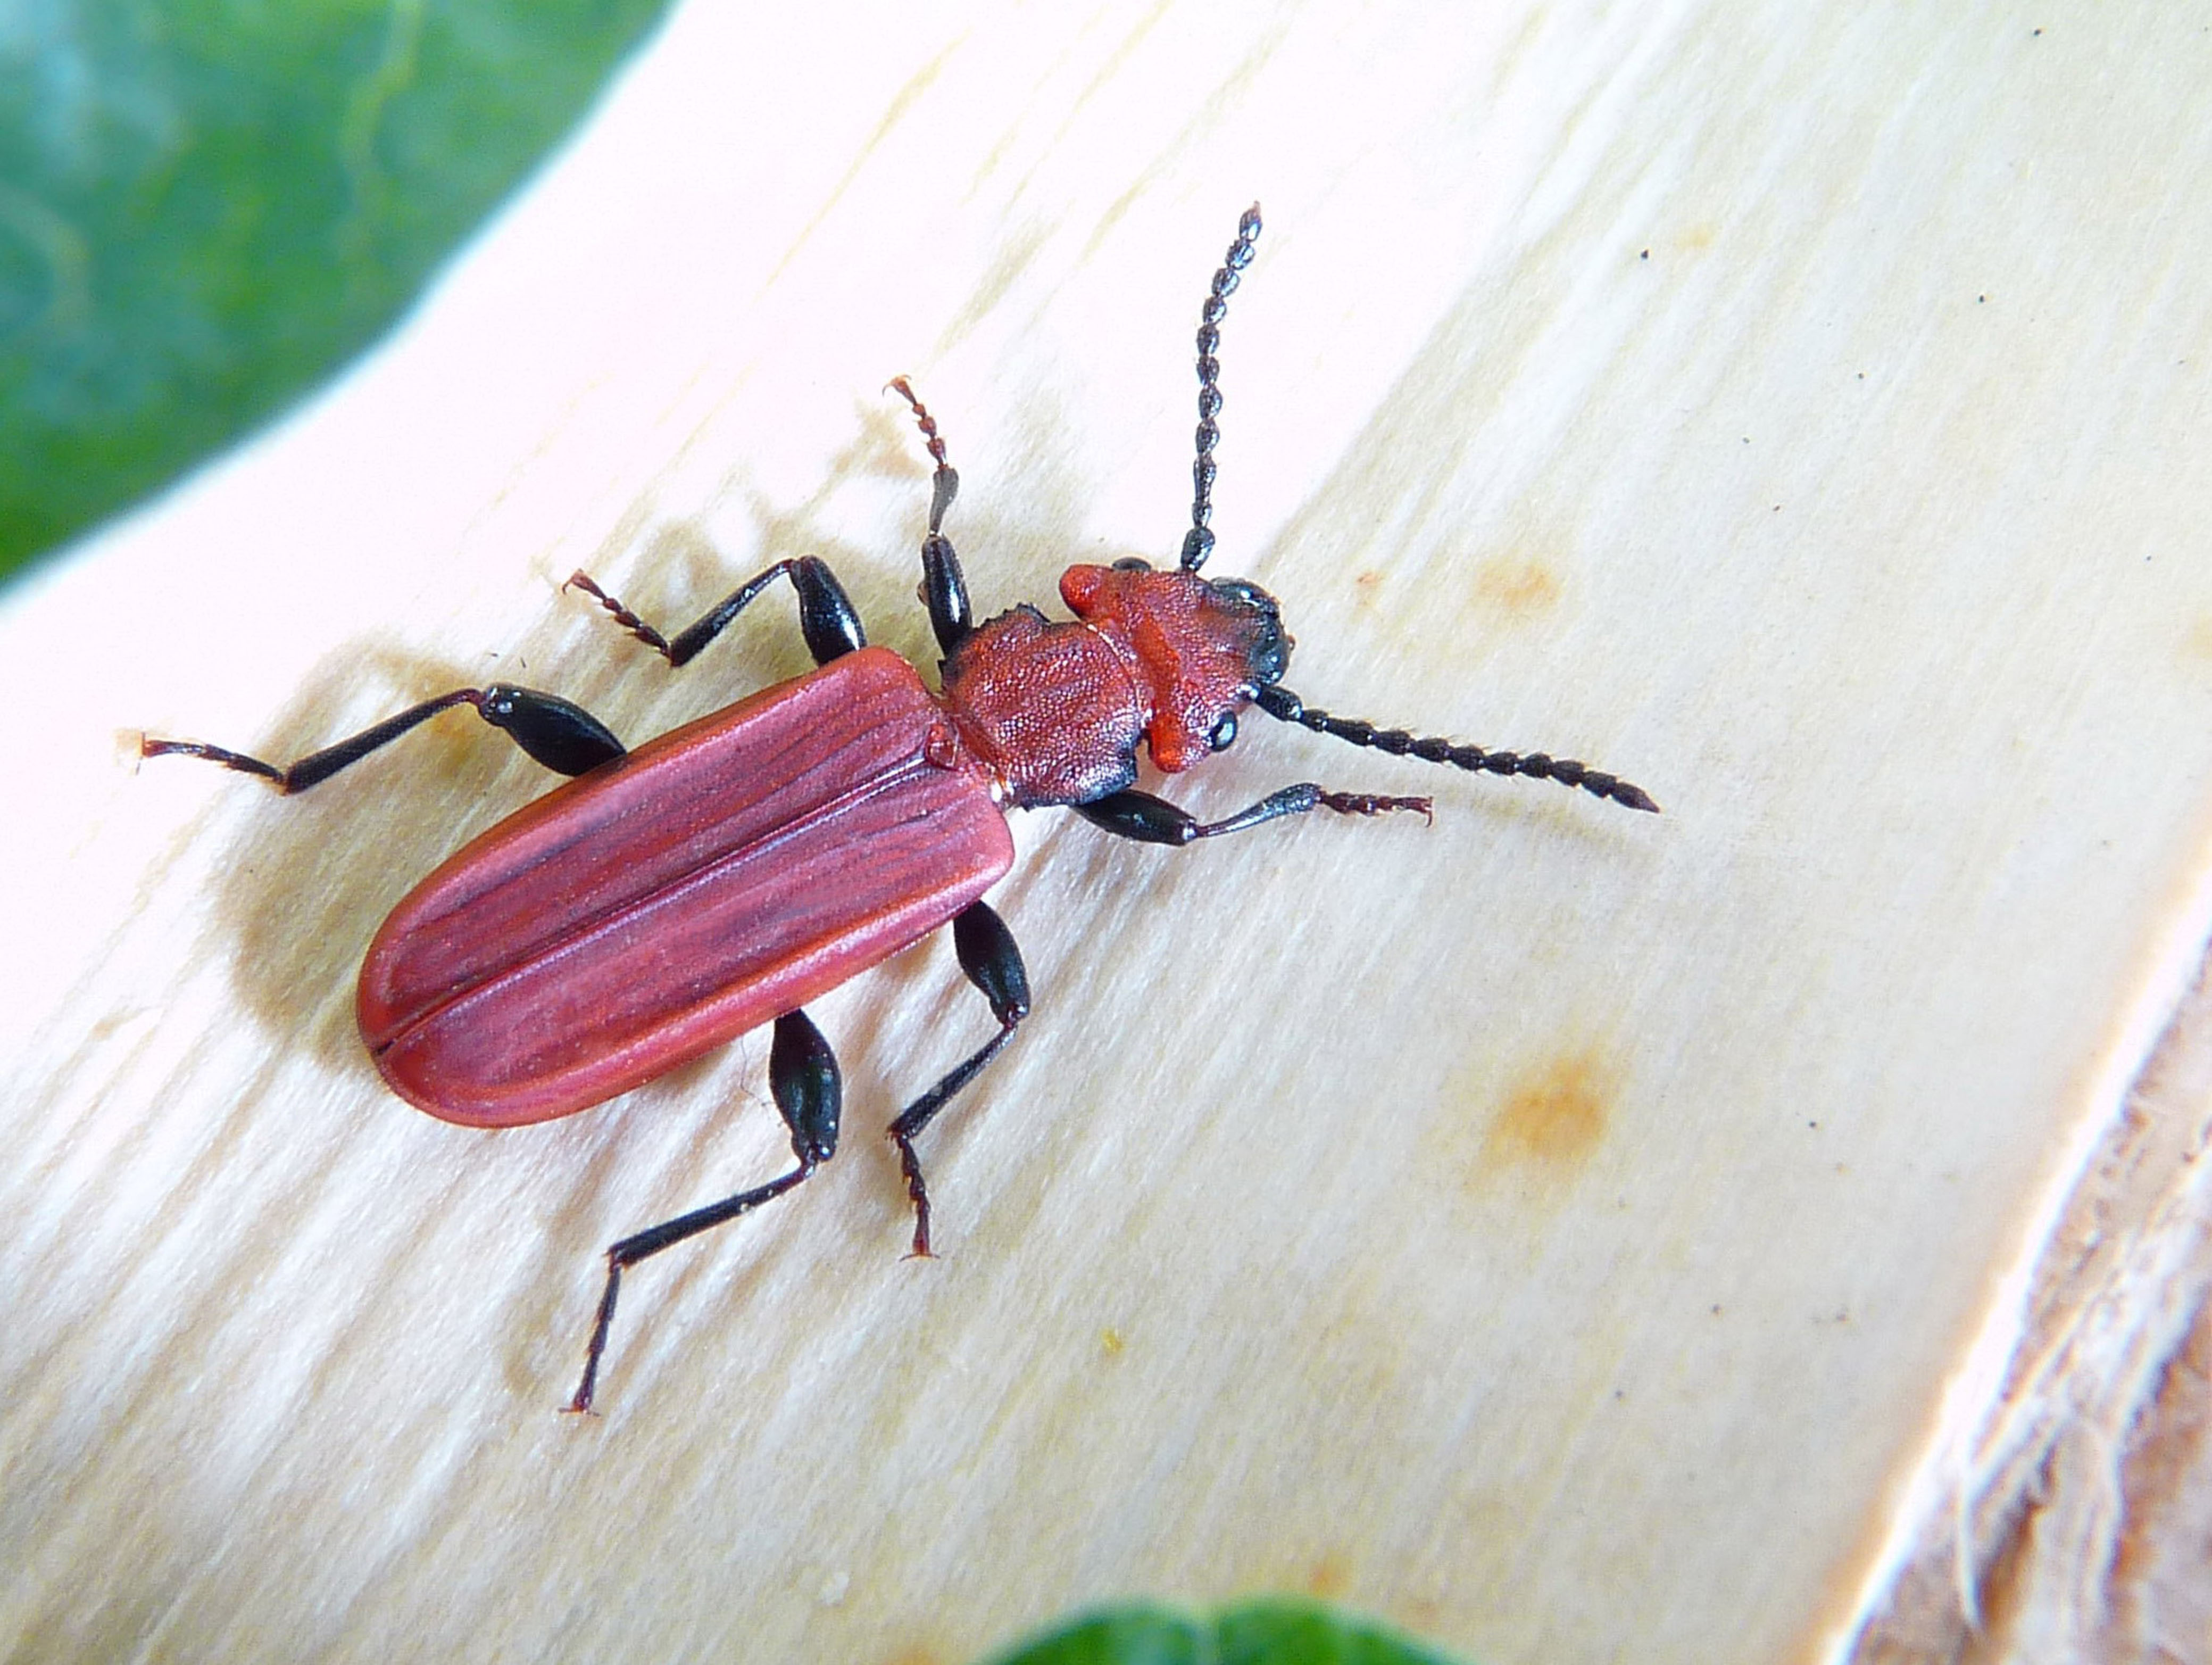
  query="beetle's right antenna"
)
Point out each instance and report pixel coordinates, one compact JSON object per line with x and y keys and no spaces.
{"x":1198,"y":542}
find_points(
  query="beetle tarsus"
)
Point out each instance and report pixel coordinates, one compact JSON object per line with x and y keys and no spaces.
{"x":917,"y":1193}
{"x":151,"y":747}
{"x":580,"y":580}
{"x":930,"y":437}
{"x":1361,"y":803}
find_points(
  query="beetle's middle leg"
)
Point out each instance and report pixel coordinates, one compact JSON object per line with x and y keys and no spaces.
{"x":993,"y":964}
{"x":826,"y":616}
{"x":804,"y":1079}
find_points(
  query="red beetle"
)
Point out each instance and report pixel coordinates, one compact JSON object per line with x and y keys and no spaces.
{"x":671,"y":898}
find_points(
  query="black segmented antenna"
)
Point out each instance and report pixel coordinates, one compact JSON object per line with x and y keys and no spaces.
{"x":1198,"y":542}
{"x":1279,"y":702}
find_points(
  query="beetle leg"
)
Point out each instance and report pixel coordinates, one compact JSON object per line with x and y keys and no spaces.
{"x":1151,"y":820}
{"x":993,"y":964}
{"x":826,"y":617}
{"x":565,"y":738}
{"x":944,"y":588}
{"x":804,"y":1079}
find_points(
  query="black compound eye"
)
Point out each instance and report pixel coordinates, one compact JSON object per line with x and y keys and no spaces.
{"x":1268,"y":650}
{"x":1224,"y":733}
{"x":1132,"y":564}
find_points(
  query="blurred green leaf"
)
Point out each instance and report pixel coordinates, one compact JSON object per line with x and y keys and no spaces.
{"x":207,"y":206}
{"x":1275,"y":1631}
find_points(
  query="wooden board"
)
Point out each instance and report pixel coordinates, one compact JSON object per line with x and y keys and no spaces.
{"x":1560,"y":1230}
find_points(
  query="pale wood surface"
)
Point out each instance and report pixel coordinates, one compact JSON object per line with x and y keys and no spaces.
{"x":2068,"y":1515}
{"x":1556,"y":1229}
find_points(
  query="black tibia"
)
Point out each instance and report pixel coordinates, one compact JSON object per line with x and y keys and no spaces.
{"x":1151,"y":820}
{"x":826,"y":617}
{"x":803,"y":1078}
{"x":1280,"y":702}
{"x":1198,"y":542}
{"x":944,"y":588}
{"x":567,"y":738}
{"x":993,"y":964}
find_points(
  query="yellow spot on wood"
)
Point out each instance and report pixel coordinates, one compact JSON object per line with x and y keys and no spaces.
{"x":1523,"y":588}
{"x":1554,"y":1115}
{"x":1329,"y":1577}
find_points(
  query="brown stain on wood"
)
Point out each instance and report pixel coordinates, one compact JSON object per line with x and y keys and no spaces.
{"x":1554,"y":1115}
{"x":1329,"y":1577}
{"x":1515,"y":586}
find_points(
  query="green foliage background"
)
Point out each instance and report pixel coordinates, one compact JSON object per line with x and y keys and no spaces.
{"x":1274,"y":1630}
{"x":207,"y":206}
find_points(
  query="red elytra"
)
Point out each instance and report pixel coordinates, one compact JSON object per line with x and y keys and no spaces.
{"x":672,"y":900}
{"x":673,"y":897}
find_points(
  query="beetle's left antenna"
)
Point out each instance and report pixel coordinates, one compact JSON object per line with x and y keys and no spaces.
{"x":1278,"y":702}
{"x":1198,"y":542}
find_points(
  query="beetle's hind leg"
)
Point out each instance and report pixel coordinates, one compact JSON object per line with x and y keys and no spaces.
{"x":804,"y":1079}
{"x":993,"y":964}
{"x":567,"y":738}
{"x":826,"y":615}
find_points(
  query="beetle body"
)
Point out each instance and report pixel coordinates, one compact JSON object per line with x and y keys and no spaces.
{"x":717,"y":878}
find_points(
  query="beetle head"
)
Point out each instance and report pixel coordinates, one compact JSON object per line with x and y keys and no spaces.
{"x":1203,"y":647}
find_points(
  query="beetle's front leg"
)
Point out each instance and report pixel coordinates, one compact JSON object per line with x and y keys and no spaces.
{"x":826,"y":616}
{"x":944,"y":587}
{"x":1150,"y":820}
{"x":994,"y":964}
{"x":804,"y":1079}
{"x":567,"y":738}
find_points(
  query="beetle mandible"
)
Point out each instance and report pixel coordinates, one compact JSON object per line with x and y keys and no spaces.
{"x":669,"y":899}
